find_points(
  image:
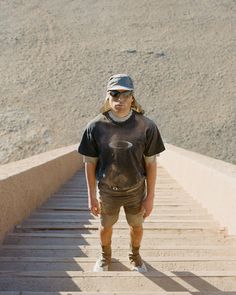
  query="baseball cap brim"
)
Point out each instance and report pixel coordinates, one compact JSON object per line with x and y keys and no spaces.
{"x":118,"y":87}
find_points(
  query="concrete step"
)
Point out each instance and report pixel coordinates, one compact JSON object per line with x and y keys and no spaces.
{"x":158,"y":210}
{"x":156,"y":214}
{"x":171,"y":228}
{"x":148,"y":235}
{"x":84,"y":202}
{"x":44,"y":239}
{"x":157,"y":205}
{"x":122,"y":230}
{"x":157,"y":200}
{"x":80,"y":205}
{"x":171,"y":263}
{"x":83,"y":199}
{"x":202,"y":234}
{"x":165,"y":195}
{"x":165,"y":186}
{"x":158,"y":197}
{"x":158,"y":191}
{"x":93,"y":251}
{"x":121,"y":223}
{"x":48,"y":214}
{"x":119,"y":293}
{"x":163,"y":180}
{"x":155,"y":281}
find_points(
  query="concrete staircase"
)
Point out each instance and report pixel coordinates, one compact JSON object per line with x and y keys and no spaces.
{"x":53,"y":251}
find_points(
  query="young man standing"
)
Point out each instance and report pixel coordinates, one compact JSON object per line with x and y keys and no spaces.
{"x":120,"y":147}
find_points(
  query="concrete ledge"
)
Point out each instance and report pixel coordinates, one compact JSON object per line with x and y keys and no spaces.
{"x":210,"y":181}
{"x":26,"y":184}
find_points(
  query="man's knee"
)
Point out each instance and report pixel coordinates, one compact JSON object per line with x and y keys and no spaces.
{"x":105,"y":229}
{"x":134,"y":220}
{"x":107,"y":221}
{"x":137,"y":228}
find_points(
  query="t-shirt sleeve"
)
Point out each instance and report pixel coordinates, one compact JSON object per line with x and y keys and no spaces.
{"x":154,"y":143}
{"x":88,"y":146}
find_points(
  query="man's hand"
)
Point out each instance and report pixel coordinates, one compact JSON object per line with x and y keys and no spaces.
{"x":151,"y":180}
{"x":147,"y":206}
{"x":94,"y":206}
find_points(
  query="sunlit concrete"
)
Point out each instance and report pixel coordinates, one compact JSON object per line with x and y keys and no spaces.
{"x":26,"y":184}
{"x":210,"y":181}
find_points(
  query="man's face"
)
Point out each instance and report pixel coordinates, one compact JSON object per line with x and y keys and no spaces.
{"x":120,"y":102}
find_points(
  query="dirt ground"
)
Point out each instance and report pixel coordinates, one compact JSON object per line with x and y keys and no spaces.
{"x":57,"y":55}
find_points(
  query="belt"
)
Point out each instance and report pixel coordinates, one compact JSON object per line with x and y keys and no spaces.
{"x":122,"y":189}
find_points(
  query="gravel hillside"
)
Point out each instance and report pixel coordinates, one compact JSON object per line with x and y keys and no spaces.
{"x":57,"y":55}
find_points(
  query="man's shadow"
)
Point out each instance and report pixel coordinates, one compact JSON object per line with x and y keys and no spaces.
{"x":169,"y":284}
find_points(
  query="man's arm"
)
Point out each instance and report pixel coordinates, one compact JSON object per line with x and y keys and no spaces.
{"x":90,"y":171}
{"x":151,"y":171}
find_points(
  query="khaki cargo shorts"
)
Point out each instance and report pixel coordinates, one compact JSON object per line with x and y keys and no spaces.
{"x":111,"y":202}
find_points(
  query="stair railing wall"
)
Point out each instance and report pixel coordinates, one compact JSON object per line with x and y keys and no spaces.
{"x":26,"y":184}
{"x":210,"y":181}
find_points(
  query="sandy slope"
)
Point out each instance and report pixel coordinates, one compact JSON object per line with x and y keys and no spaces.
{"x":56,"y":57}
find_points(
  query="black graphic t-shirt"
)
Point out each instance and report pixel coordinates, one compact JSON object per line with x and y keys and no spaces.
{"x":120,"y":148}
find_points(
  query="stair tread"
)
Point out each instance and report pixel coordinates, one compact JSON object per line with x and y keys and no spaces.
{"x":114,"y":260}
{"x":116,"y":274}
{"x":81,"y":225}
{"x":124,"y":247}
{"x":89,"y":221}
{"x":118,"y":293}
{"x":92,"y":235}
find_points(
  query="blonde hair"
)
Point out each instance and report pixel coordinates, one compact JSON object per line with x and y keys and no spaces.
{"x":134,"y":106}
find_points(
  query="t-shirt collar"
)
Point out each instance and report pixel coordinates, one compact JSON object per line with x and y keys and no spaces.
{"x":118,"y":119}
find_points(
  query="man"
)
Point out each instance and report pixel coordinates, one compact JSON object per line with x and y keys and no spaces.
{"x":120,"y":147}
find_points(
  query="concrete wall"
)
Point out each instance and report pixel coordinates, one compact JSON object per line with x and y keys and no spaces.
{"x":26,"y":184}
{"x":212,"y":182}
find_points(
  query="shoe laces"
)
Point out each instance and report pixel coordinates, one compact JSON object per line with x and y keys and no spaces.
{"x":135,"y":259}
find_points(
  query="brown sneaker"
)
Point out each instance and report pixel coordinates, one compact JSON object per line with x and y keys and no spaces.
{"x":103,"y":262}
{"x":136,"y":261}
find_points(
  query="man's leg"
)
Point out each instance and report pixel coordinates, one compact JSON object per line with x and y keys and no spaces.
{"x":105,"y":235}
{"x":134,"y":216}
{"x":108,"y":216}
{"x":102,"y":264}
{"x":104,"y":260}
{"x":136,"y":234}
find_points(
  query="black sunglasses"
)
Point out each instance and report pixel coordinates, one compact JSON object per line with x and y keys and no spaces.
{"x":116,"y":93}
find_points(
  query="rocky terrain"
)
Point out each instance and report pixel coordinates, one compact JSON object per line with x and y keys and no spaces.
{"x":57,"y":55}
